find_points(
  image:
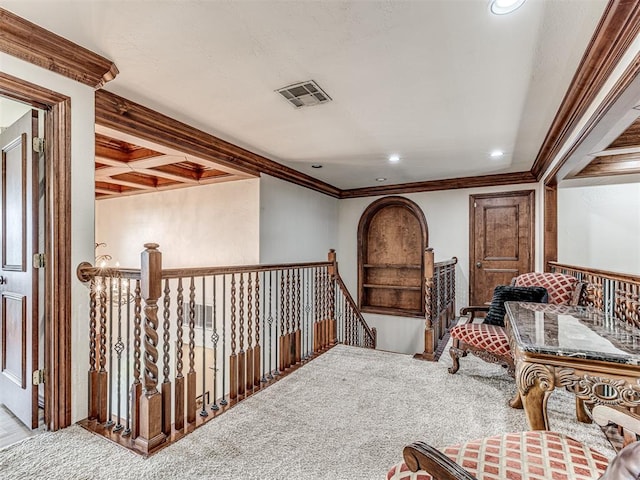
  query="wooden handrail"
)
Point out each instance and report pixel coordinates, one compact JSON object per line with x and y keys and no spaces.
{"x":623,"y":277}
{"x":444,"y":263}
{"x":371,"y":332}
{"x":226,"y":270}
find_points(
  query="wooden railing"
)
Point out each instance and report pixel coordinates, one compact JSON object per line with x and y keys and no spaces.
{"x":170,"y":349}
{"x":440,"y":302}
{"x":612,"y":293}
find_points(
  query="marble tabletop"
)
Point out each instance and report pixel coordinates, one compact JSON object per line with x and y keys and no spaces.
{"x":579,"y":332}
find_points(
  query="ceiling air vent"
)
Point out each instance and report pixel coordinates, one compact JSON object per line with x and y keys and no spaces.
{"x":304,"y":94}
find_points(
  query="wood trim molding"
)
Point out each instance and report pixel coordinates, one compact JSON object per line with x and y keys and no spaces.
{"x":36,"y":45}
{"x":550,"y":235}
{"x":113,"y":111}
{"x":447,"y":184}
{"x":618,"y":27}
{"x":57,"y":349}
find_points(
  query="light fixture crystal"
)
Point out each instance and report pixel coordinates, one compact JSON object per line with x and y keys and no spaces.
{"x":503,"y":7}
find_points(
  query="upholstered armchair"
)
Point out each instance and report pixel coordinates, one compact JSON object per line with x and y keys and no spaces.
{"x":533,"y":455}
{"x":488,"y":340}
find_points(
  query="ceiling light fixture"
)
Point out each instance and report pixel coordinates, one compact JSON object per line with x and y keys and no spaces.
{"x":380,"y":179}
{"x":496,"y":154}
{"x":503,"y":7}
{"x":394,"y":158}
{"x":316,"y":165}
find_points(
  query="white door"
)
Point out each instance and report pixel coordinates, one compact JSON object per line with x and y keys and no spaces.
{"x":18,"y":283}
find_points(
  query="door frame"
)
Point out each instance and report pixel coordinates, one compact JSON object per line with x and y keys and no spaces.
{"x":57,"y":234}
{"x":472,"y":227}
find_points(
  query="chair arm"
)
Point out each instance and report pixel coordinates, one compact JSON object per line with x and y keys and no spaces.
{"x":420,"y":456}
{"x":603,"y":414}
{"x":472,"y":310}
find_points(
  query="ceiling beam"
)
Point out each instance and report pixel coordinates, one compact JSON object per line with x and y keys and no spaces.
{"x":34,"y":44}
{"x":611,"y":165}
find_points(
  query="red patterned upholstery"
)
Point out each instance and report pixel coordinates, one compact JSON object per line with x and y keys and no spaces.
{"x":536,"y":455}
{"x":560,"y":287}
{"x":490,"y":338}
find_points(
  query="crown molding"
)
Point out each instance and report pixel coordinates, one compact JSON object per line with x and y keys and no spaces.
{"x":618,"y":27}
{"x":34,"y":44}
{"x":447,"y":184}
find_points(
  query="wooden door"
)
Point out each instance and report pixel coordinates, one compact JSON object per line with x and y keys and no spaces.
{"x":18,"y":283}
{"x":501,"y":244}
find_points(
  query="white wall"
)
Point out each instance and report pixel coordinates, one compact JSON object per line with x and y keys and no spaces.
{"x":202,"y":226}
{"x":599,"y":227}
{"x":296,"y":224}
{"x":447,"y":214}
{"x":82,"y":215}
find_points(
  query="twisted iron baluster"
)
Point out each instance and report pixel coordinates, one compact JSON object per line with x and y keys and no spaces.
{"x":214,"y":339}
{"x":223,"y":402}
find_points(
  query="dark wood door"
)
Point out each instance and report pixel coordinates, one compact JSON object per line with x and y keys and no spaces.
{"x":501,"y":241}
{"x":18,"y":283}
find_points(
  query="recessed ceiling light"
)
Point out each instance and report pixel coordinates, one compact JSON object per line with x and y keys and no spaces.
{"x":503,"y":7}
{"x":497,"y":154}
{"x":394,"y":158}
{"x":316,"y":165}
{"x":380,"y":179}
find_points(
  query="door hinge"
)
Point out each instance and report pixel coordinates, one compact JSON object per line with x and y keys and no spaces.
{"x":39,"y":260}
{"x":38,"y":144}
{"x":38,"y":377}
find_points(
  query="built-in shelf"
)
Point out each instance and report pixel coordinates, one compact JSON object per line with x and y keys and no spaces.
{"x":392,"y":238}
{"x":394,"y":287}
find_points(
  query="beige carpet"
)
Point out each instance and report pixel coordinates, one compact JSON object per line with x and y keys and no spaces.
{"x":345,"y":415}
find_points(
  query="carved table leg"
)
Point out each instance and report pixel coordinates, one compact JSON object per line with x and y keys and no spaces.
{"x":535,"y":383}
{"x":516,"y":401}
{"x":581,"y":411}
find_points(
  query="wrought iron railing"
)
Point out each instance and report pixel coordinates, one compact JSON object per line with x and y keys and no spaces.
{"x":615,"y":294}
{"x":169,"y":349}
{"x":440,"y":302}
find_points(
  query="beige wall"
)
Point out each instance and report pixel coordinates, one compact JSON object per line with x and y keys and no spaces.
{"x":201,"y":226}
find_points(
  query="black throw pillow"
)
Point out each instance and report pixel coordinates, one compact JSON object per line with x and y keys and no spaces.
{"x":507,"y":293}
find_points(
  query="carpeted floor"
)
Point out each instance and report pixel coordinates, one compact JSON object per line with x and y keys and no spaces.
{"x":345,"y":415}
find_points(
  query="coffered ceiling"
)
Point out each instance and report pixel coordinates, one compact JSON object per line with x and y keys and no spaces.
{"x":440,"y":83}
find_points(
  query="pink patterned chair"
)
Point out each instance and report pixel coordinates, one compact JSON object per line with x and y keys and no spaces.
{"x":534,"y":455}
{"x":490,"y":342}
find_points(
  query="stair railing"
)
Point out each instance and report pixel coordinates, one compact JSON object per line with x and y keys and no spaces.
{"x":170,"y":349}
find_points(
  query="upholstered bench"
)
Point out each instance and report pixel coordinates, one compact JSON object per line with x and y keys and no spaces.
{"x":536,"y":455}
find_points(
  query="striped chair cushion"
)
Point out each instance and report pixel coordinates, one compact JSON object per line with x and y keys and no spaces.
{"x":490,"y":338}
{"x":537,"y":455}
{"x":560,"y":287}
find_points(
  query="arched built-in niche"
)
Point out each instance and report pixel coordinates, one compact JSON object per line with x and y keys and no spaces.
{"x":392,"y":238}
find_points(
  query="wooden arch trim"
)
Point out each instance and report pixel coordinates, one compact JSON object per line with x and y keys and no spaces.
{"x":39,"y":46}
{"x":57,"y":350}
{"x":363,"y":237}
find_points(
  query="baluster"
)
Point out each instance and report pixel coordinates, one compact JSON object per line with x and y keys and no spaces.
{"x":119,"y":348}
{"x":298,"y":334}
{"x":166,"y":382}
{"x":316,"y":310}
{"x":250,"y":359}
{"x":214,"y":340}
{"x":277,"y":314}
{"x":286,"y":352}
{"x":270,"y":322}
{"x":191,"y":374}
{"x":283,"y":346}
{"x":94,"y":391}
{"x":109,"y":423}
{"x":151,"y":402}
{"x":223,"y":402}
{"x":256,"y":348}
{"x":203,"y":410}
{"x":102,"y":374}
{"x":179,"y":388}
{"x":241,"y":355}
{"x":263,"y":379}
{"x":233,"y":361}
{"x":127,"y":429}
{"x":136,"y":388}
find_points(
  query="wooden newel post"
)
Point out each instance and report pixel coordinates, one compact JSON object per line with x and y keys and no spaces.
{"x":333,"y":322}
{"x":428,"y":353}
{"x":151,"y":400}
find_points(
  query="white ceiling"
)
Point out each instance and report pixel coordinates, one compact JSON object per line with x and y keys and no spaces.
{"x":442,"y":83}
